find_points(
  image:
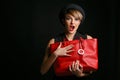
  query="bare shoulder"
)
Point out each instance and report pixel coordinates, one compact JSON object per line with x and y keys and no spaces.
{"x":47,"y":49}
{"x":89,"y":37}
{"x":51,"y":41}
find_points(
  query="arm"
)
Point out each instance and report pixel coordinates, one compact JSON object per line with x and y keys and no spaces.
{"x":49,"y":60}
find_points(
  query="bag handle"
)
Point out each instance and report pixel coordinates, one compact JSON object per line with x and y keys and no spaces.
{"x":80,"y":51}
{"x":80,"y":43}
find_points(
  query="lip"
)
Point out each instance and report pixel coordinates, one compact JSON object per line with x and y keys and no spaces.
{"x":71,"y":28}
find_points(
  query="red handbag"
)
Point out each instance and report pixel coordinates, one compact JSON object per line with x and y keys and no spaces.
{"x":86,"y":51}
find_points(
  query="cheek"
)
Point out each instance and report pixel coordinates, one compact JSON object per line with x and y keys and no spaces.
{"x":78,"y":23}
{"x":67,"y":23}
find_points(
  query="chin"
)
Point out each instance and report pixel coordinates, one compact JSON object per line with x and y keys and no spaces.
{"x":71,"y":32}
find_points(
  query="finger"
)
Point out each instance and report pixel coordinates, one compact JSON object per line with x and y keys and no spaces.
{"x":77,"y":65}
{"x":70,"y":51}
{"x":70,"y":68}
{"x":73,"y":66}
{"x":78,"y":69}
{"x":60,"y":45}
{"x":67,"y":55}
{"x":81,"y":67}
{"x":69,"y":47}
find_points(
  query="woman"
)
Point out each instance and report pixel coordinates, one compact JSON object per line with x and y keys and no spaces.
{"x":71,"y":16}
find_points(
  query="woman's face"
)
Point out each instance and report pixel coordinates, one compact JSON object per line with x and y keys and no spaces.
{"x":71,"y":23}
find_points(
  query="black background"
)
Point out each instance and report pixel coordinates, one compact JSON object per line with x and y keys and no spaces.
{"x":27,"y":26}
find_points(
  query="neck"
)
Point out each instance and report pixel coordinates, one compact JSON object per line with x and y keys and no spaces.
{"x":70,"y":36}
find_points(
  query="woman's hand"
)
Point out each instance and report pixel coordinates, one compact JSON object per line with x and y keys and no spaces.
{"x":63,"y":51}
{"x":77,"y":69}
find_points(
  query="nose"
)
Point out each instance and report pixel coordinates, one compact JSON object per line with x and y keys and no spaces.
{"x":72,"y":21}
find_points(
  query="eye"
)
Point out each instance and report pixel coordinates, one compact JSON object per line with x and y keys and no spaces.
{"x":67,"y":18}
{"x":77,"y":19}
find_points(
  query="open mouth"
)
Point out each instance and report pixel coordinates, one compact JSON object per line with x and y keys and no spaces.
{"x":72,"y":28}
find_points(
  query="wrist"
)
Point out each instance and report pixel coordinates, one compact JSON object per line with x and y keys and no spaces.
{"x":55,"y":54}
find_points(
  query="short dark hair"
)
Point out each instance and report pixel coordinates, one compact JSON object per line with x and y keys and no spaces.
{"x":68,"y":7}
